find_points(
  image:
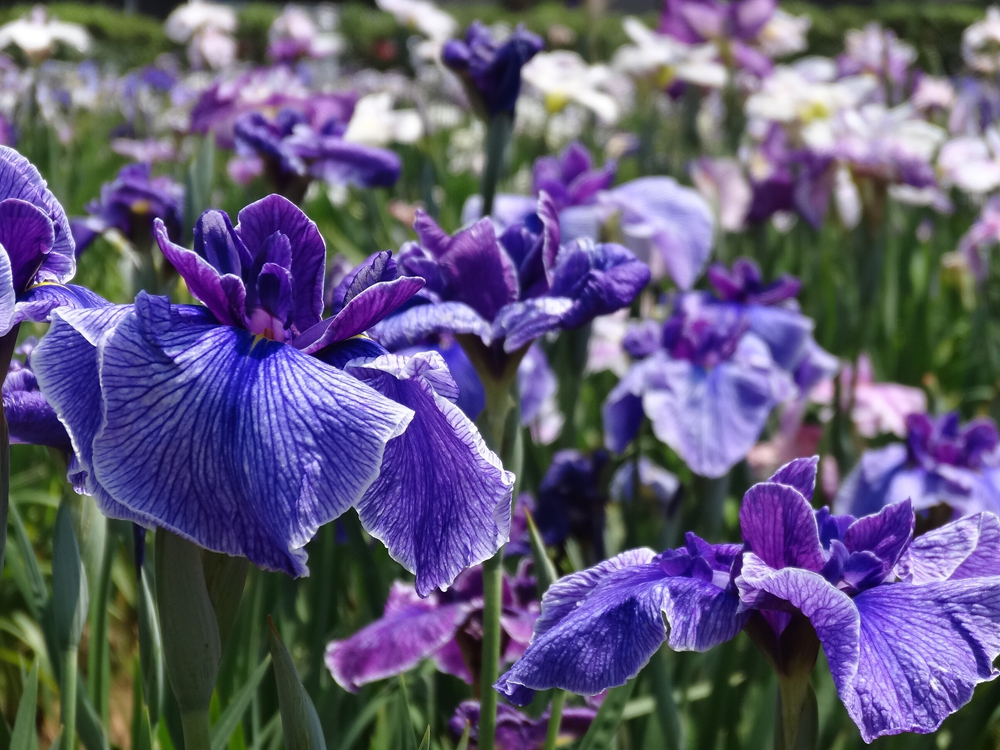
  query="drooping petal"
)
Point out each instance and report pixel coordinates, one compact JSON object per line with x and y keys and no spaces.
{"x":245,"y":446}
{"x":19,"y":179}
{"x":435,"y":517}
{"x":31,"y":420}
{"x":38,"y":302}
{"x":416,"y":323}
{"x":785,"y":331}
{"x":712,"y":417}
{"x":966,"y":548}
{"x":520,"y":323}
{"x":360,"y":313}
{"x":599,"y":629}
{"x":258,"y":221}
{"x":923,"y":650}
{"x":779,"y":526}
{"x":600,"y":279}
{"x":411,"y":630}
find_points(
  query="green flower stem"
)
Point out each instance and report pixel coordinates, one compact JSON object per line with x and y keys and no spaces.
{"x":197,"y":730}
{"x":67,"y":694}
{"x":555,"y":719}
{"x":498,"y":132}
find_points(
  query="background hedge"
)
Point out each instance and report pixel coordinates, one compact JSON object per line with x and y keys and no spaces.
{"x":376,"y":39}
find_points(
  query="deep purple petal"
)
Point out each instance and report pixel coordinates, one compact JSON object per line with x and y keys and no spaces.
{"x":28,"y":235}
{"x":887,"y":533}
{"x":258,"y":221}
{"x":340,"y":162}
{"x":19,"y":179}
{"x":779,"y":526}
{"x":600,"y":279}
{"x":411,"y":630}
{"x":800,"y":474}
{"x":243,"y":445}
{"x":966,"y":548}
{"x":435,"y":517}
{"x":416,"y":323}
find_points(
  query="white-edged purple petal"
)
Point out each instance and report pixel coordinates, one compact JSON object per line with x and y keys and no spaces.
{"x":966,"y":548}
{"x":659,"y":215}
{"x":779,"y":526}
{"x":8,"y":296}
{"x":410,"y":630}
{"x":436,"y":517}
{"x":19,"y":179}
{"x":413,"y":325}
{"x":243,"y":445}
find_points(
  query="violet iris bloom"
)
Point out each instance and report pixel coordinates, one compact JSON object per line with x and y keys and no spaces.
{"x":706,"y":381}
{"x":489,"y":69}
{"x":246,"y":424}
{"x":506,"y":292}
{"x":735,"y":23}
{"x":37,"y":254}
{"x":130,"y":203}
{"x":665,"y":224}
{"x":30,"y":418}
{"x":446,"y":627}
{"x":295,"y":149}
{"x":571,"y":500}
{"x":876,"y":598}
{"x":516,"y":731}
{"x":941,"y":462}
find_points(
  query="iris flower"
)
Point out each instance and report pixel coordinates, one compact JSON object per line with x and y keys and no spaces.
{"x":37,"y":255}
{"x":246,"y":423}
{"x":30,"y":418}
{"x":908,"y":626}
{"x":516,"y":731}
{"x":502,"y":293}
{"x":130,"y":203}
{"x":941,"y":462}
{"x":37,"y":35}
{"x":445,"y":626}
{"x":665,"y":224}
{"x":491,"y":69}
{"x":736,"y":24}
{"x":705,"y":380}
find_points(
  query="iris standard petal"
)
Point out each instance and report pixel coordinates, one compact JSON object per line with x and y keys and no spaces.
{"x":435,"y":517}
{"x":19,"y":179}
{"x":413,"y":325}
{"x":799,"y":473}
{"x":28,"y":235}
{"x":779,"y":526}
{"x":410,"y":630}
{"x":886,"y":533}
{"x":258,"y":221}
{"x":598,"y":278}
{"x":966,"y":548}
{"x":478,"y":270}
{"x":243,"y":445}
{"x":923,"y":650}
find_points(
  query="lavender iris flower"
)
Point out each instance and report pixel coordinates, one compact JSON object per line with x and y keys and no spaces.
{"x":489,"y":69}
{"x":295,"y":149}
{"x":909,"y":626}
{"x":130,"y":203}
{"x":736,"y":23}
{"x":505,"y":292}
{"x":37,"y":255}
{"x":446,"y":627}
{"x":942,"y":462}
{"x":247,"y":423}
{"x":706,"y":381}
{"x":665,"y":224}
{"x":516,"y":731}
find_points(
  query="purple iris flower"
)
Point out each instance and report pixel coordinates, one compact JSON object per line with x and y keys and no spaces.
{"x":941,"y":463}
{"x":505,"y":292}
{"x":737,"y":23}
{"x":30,"y":418}
{"x":706,"y":381}
{"x":490,"y":69}
{"x":247,"y":423}
{"x":446,"y":627}
{"x":665,"y":224}
{"x":516,"y":731}
{"x":130,"y":203}
{"x":37,"y":255}
{"x":909,"y":626}
{"x":771,"y":310}
{"x":295,"y":149}
{"x":571,"y":500}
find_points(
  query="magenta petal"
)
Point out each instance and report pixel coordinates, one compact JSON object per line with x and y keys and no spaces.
{"x":411,"y":630}
{"x":779,"y":525}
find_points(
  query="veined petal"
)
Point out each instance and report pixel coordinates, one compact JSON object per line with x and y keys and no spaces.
{"x":360,"y":313}
{"x":966,"y":548}
{"x":8,"y":297}
{"x":411,"y":630}
{"x":37,"y":303}
{"x":799,"y":473}
{"x":923,"y":651}
{"x":243,"y":445}
{"x":520,"y":323}
{"x":779,"y":525}
{"x":604,"y":625}
{"x":886,"y":533}
{"x":436,"y":517}
{"x":28,"y":235}
{"x":416,"y":323}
